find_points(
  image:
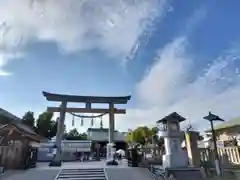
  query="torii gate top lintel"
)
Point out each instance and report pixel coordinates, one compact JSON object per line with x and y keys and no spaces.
{"x":86,"y":99}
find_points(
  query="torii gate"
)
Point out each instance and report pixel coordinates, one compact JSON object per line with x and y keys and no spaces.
{"x":88,"y":100}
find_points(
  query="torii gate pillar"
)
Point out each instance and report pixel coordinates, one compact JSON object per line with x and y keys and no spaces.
{"x":110,"y":146}
{"x":111,"y":123}
{"x":59,"y":136}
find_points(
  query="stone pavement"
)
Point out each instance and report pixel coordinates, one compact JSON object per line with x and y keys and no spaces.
{"x":44,"y":172}
{"x":128,"y":174}
{"x":32,"y":174}
{"x":83,"y":165}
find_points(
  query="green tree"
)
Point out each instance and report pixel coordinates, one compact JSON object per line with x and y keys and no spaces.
{"x":83,"y":136}
{"x":53,"y":128}
{"x":154,"y":132}
{"x":45,"y":125}
{"x":129,"y":136}
{"x":73,"y":132}
{"x":143,"y":135}
{"x":140,"y":135}
{"x":75,"y":135}
{"x":28,"y":119}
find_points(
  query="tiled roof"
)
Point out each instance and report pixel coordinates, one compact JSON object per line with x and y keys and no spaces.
{"x":227,"y":124}
{"x":17,"y":122}
{"x":9,"y":115}
{"x":20,"y":130}
{"x":173,"y":116}
{"x":25,"y":128}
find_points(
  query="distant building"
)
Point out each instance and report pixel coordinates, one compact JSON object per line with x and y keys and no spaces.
{"x":100,"y":136}
{"x":69,"y":149}
{"x":228,"y":131}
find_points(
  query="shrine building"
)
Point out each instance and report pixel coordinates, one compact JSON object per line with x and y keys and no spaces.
{"x":100,"y":136}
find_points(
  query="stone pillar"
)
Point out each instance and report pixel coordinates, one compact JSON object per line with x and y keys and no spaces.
{"x":111,"y":123}
{"x":192,"y":148}
{"x":110,"y":148}
{"x":59,"y":135}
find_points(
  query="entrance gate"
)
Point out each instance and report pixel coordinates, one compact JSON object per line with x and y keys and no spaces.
{"x":88,"y":101}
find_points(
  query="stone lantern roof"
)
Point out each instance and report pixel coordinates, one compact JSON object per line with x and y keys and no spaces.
{"x":171,"y":117}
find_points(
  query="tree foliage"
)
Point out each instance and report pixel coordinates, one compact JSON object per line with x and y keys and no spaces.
{"x":143,"y":135}
{"x":75,"y":135}
{"x":46,"y":126}
{"x":28,"y":119}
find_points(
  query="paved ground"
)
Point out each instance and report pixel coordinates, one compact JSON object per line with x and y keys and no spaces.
{"x":44,"y":172}
{"x":33,"y":174}
{"x":120,"y":172}
{"x":83,"y":165}
{"x":128,"y":174}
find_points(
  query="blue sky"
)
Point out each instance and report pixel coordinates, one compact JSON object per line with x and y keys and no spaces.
{"x":169,"y":55}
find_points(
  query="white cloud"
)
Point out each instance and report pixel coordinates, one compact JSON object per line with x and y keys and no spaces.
{"x":5,"y":58}
{"x":112,"y":26}
{"x":173,"y":71}
{"x":167,"y":88}
{"x":3,"y":62}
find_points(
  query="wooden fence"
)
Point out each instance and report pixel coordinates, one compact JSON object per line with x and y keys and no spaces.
{"x":227,"y":155}
{"x":11,"y":157}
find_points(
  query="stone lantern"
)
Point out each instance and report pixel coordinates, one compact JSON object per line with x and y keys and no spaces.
{"x":169,"y":128}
